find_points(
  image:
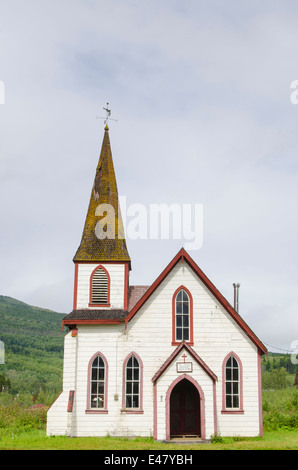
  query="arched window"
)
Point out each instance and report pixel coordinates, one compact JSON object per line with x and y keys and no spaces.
{"x":133,"y":369}
{"x":182,"y":316}
{"x":100,"y":287}
{"x":97,"y":384}
{"x":232,"y":383}
{"x":132,"y":383}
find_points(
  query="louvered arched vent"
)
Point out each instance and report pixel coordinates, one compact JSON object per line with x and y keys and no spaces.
{"x":100,"y":287}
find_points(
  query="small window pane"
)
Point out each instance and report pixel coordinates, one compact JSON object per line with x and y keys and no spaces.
{"x":185,"y":296}
{"x":185,"y":307}
{"x":185,"y":335}
{"x":179,"y":296}
{"x":129,"y":362}
{"x":135,"y":401}
{"x":179,"y":334}
{"x":235,"y":401}
{"x":229,"y":401}
{"x":128,"y":401}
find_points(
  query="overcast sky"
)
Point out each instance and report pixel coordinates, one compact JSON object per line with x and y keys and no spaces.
{"x":201,"y":93}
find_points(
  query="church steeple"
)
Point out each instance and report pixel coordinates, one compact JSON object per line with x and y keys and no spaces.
{"x":103,"y":236}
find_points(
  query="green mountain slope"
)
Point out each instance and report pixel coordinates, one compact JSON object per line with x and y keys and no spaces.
{"x":33,"y":343}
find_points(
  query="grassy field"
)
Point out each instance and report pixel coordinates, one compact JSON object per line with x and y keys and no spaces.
{"x":22,"y":427}
{"x":37,"y":440}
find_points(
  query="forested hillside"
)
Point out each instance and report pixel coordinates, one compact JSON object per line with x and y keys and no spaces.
{"x":33,"y":343}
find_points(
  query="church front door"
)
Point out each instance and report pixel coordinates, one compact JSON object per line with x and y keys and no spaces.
{"x":185,"y":410}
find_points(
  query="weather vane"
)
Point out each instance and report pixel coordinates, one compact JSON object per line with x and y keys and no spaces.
{"x":108,"y":111}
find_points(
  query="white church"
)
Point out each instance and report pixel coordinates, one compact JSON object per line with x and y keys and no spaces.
{"x":170,"y":360}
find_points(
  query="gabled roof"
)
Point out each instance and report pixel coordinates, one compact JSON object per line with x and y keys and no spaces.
{"x":183,"y":256}
{"x":192,"y":353}
{"x":104,"y":191}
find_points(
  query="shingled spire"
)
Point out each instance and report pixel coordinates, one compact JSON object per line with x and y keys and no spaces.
{"x":103,"y":236}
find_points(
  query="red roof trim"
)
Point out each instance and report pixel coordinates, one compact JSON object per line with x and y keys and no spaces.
{"x":175,"y":353}
{"x":184,"y":256}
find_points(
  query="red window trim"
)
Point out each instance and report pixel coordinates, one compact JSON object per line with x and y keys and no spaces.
{"x":225,"y":410}
{"x":103,"y":410}
{"x":100,"y":266}
{"x":132,"y":410}
{"x":174,"y":341}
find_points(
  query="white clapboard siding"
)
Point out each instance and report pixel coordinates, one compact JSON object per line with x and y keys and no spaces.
{"x":149,"y":335}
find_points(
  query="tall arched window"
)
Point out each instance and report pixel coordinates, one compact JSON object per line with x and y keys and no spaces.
{"x":99,"y":287}
{"x":132,"y":383}
{"x":97,"y":384}
{"x":132,"y":399}
{"x":182,"y":316}
{"x":232,"y":383}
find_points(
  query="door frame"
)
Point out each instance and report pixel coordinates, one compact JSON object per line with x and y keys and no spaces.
{"x":202,"y":404}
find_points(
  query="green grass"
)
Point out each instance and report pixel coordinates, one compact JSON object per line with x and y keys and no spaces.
{"x":37,"y":440}
{"x":22,"y":427}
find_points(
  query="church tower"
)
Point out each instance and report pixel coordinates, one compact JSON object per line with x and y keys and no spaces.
{"x":102,"y":262}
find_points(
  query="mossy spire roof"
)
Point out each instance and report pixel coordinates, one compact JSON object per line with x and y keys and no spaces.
{"x":95,"y":245}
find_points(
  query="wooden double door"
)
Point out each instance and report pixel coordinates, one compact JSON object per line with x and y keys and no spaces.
{"x":185,"y":410}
